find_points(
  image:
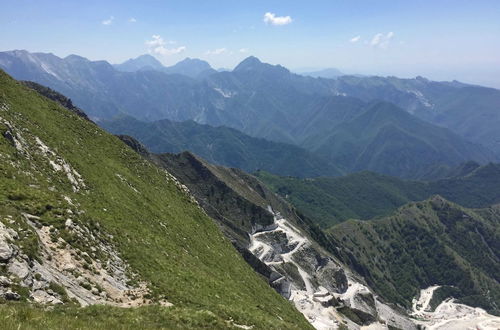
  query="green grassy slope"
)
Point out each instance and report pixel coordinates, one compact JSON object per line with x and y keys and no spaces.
{"x":427,"y":243}
{"x":366,"y":195}
{"x":165,"y":238}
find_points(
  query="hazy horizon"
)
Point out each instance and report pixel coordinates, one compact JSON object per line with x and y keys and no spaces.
{"x":448,"y":40}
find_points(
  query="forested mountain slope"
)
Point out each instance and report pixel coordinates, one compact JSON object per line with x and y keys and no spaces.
{"x":366,"y":195}
{"x":223,"y":146}
{"x":428,"y":243}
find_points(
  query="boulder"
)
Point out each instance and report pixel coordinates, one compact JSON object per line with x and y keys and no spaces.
{"x":10,"y":295}
{"x":68,"y":223}
{"x":42,"y":297}
{"x":6,"y":251}
{"x":4,"y":281}
{"x":19,"y":268}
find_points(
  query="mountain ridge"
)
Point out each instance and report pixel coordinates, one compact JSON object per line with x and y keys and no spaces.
{"x":272,"y":103}
{"x":366,"y":195}
{"x":223,"y":146}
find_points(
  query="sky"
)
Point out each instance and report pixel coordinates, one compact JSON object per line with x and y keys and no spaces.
{"x":437,"y":39}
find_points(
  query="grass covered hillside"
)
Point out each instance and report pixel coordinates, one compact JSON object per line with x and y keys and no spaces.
{"x":366,"y":195}
{"x":78,"y":206}
{"x":434,"y":242}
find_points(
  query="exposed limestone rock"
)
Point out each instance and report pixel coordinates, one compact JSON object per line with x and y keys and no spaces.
{"x":43,"y":297}
{"x":6,"y":250}
{"x":13,"y":136}
{"x":60,"y":165}
{"x":332,"y":277}
{"x":81,"y":279}
{"x":19,"y":268}
{"x":63,"y":273}
{"x":326,"y":292}
{"x":68,"y":223}
{"x":4,"y":281}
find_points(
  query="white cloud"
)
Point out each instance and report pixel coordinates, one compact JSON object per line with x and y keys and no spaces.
{"x":243,"y":50}
{"x":132,"y":20}
{"x":108,"y":21}
{"x":381,"y":40}
{"x":270,"y":18}
{"x":217,"y":51}
{"x":355,"y":39}
{"x":157,"y":46}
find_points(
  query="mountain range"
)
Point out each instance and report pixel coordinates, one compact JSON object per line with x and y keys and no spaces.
{"x":270,"y":102}
{"x":190,"y":67}
{"x":324,"y":73}
{"x":223,"y":146}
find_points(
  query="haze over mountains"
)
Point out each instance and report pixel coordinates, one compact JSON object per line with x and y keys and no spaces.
{"x":324,"y":116}
{"x":190,"y":67}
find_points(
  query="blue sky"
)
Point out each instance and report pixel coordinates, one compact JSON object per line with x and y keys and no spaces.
{"x":441,"y":40}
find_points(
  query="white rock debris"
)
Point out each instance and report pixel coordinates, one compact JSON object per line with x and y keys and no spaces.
{"x":4,"y":107}
{"x":450,"y":315}
{"x":421,"y":98}
{"x":312,"y":299}
{"x":226,"y":94}
{"x":59,"y":164}
{"x":122,"y":179}
{"x":86,"y":279}
{"x":13,"y":135}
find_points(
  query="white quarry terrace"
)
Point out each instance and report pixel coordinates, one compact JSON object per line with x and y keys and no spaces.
{"x":450,"y":315}
{"x":312,"y":299}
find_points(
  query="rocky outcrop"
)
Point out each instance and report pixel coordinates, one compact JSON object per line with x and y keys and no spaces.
{"x":61,"y":273}
{"x":60,"y":260}
{"x":325,"y":291}
{"x":6,"y":249}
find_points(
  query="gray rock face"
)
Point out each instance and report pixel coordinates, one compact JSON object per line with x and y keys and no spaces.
{"x":19,"y":268}
{"x":4,"y":281}
{"x":6,"y":250}
{"x":43,"y":297}
{"x":332,"y":277}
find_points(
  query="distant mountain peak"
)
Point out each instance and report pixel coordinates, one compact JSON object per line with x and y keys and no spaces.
{"x":248,"y":63}
{"x":141,"y":62}
{"x":193,"y":61}
{"x":252,"y":63}
{"x":191,"y":67}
